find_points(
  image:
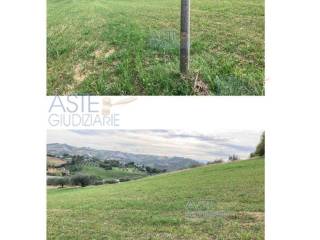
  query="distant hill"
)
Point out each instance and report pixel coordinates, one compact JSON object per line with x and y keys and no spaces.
{"x":159,"y":162}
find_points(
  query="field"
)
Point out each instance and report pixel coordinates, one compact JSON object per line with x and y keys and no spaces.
{"x":221,"y":201}
{"x":131,"y":47}
{"x":114,"y":173}
{"x":53,"y":161}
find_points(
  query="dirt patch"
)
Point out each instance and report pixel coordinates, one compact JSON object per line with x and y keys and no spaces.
{"x":100,"y":53}
{"x":110,"y":52}
{"x":58,"y":210}
{"x":115,"y":63}
{"x":258,"y":216}
{"x":200,"y":87}
{"x":79,"y":74}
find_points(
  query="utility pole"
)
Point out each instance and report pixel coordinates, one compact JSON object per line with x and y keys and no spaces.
{"x":185,"y":36}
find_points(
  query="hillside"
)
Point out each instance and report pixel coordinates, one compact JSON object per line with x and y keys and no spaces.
{"x":159,"y":162}
{"x":59,"y":167}
{"x":111,"y":174}
{"x":222,"y":201}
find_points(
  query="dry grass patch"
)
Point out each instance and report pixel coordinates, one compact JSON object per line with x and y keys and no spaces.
{"x":79,"y":74}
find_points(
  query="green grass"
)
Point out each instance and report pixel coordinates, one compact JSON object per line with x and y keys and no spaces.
{"x":114,"y":173}
{"x":159,"y":207}
{"x":131,"y":47}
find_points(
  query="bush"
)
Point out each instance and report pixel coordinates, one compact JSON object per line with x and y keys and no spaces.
{"x":215,"y":161}
{"x":98,"y":182}
{"x":81,"y":180}
{"x":130,"y":164}
{"x":151,"y":170}
{"x":125,"y":179}
{"x":111,"y":181}
{"x":113,"y":163}
{"x":74,"y":168}
{"x":105,"y":166}
{"x":195,"y":165}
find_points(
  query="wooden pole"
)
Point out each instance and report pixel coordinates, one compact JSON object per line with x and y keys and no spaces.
{"x":185,"y":36}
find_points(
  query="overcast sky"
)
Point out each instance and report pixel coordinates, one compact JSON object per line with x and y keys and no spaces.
{"x":190,"y":144}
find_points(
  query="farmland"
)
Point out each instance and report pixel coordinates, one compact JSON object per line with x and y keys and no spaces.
{"x":58,"y":168}
{"x":131,"y":47}
{"x":114,"y":173}
{"x":218,"y":201}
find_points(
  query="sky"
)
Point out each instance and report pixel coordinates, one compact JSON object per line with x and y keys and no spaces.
{"x":203,"y":146}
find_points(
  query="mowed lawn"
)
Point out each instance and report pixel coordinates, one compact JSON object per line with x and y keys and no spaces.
{"x":131,"y":47}
{"x":224,"y":201}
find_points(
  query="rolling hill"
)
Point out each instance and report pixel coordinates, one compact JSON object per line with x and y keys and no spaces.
{"x":115,"y":173}
{"x":159,"y":162}
{"x":220,"y":201}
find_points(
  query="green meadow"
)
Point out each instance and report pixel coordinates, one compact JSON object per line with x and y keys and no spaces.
{"x":218,"y":201}
{"x":131,"y":47}
{"x":115,"y":173}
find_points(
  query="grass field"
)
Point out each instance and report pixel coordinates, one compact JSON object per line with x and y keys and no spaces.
{"x":166,"y":206}
{"x":114,"y":173}
{"x":131,"y":47}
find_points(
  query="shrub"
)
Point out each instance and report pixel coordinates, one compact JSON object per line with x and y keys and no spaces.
{"x":194,"y":165}
{"x":74,"y":167}
{"x":98,"y":182}
{"x":105,"y":166}
{"x":111,"y":181}
{"x":130,"y":164}
{"x":215,"y":161}
{"x":113,"y":163}
{"x":125,"y":179}
{"x":151,"y":170}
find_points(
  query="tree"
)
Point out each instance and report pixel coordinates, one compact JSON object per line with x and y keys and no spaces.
{"x":58,"y":181}
{"x":105,"y":165}
{"x":130,"y":164}
{"x":233,"y":158}
{"x":62,"y":181}
{"x":260,"y":147}
{"x":114,"y":163}
{"x":151,"y":170}
{"x":81,"y":180}
{"x":77,"y":159}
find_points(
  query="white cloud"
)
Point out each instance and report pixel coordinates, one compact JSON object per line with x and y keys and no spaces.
{"x":190,"y":144}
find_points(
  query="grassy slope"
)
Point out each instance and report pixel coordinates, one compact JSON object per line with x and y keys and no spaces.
{"x":155,"y":207}
{"x":114,"y":173}
{"x":227,"y":49}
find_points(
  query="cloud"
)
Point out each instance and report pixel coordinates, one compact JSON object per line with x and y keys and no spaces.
{"x":205,"y":146}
